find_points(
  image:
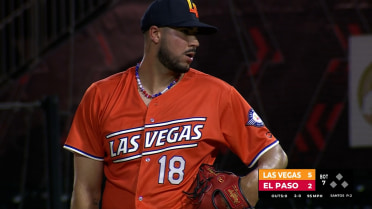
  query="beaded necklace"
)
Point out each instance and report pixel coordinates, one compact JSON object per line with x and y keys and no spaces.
{"x":143,"y":91}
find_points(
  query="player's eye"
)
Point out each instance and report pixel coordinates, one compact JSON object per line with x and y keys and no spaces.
{"x":188,"y":31}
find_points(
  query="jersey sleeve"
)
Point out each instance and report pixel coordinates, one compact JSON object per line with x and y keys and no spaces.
{"x":245,"y":132}
{"x":84,"y":136}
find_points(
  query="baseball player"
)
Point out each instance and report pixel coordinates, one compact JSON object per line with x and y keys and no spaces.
{"x":150,"y":128}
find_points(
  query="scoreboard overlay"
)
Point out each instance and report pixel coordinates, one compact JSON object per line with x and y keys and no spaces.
{"x":305,"y":183}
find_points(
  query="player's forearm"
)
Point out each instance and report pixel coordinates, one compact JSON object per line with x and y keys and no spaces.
{"x":274,"y":158}
{"x":87,"y":183}
{"x":84,"y":201}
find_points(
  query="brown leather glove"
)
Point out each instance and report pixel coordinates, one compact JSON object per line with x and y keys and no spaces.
{"x":217,"y":189}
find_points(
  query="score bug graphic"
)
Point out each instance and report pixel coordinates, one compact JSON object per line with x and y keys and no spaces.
{"x":304,"y":183}
{"x":287,"y":180}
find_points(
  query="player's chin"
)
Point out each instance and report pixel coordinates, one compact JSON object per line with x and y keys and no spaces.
{"x":181,"y":68}
{"x":187,"y":68}
{"x":184,"y":68}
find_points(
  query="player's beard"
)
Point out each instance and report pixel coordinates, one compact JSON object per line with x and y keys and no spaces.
{"x":172,"y":63}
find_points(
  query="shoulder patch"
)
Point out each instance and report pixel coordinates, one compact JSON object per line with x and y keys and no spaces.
{"x":254,"y":119}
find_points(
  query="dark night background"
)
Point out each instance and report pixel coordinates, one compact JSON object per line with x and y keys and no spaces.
{"x":289,"y":59}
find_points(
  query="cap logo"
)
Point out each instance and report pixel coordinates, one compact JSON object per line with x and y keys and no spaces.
{"x":193,"y":8}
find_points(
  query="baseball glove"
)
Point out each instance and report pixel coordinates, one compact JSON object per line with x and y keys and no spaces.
{"x":217,"y":189}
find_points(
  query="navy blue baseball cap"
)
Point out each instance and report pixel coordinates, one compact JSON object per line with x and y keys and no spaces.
{"x":174,"y":13}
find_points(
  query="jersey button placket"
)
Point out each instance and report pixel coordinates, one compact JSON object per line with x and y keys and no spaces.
{"x":152,"y":108}
{"x":146,"y":160}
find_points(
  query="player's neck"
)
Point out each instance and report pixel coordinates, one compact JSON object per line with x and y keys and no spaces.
{"x":155,"y":78}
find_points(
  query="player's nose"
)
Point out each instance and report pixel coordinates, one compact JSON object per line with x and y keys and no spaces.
{"x":193,"y":41}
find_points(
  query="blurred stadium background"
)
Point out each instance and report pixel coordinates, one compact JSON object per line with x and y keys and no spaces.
{"x":289,"y":59}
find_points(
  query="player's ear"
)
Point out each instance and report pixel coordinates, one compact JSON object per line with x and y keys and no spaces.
{"x":154,"y":34}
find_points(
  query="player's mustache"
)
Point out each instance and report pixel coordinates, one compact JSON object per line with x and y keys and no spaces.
{"x":193,"y":50}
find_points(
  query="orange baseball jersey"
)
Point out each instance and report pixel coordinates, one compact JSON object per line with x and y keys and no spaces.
{"x":152,"y":153}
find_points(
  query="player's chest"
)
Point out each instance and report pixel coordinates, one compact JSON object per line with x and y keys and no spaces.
{"x":133,"y":133}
